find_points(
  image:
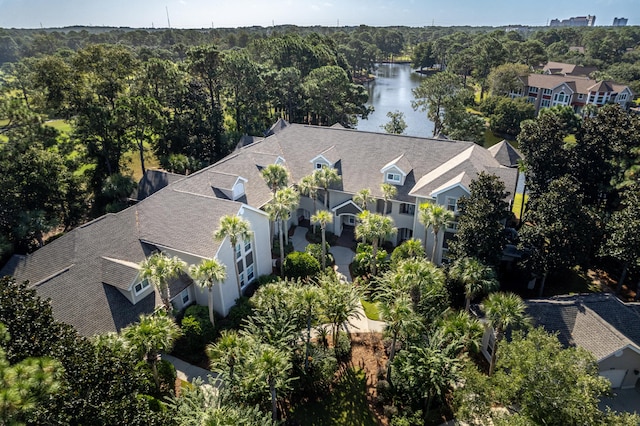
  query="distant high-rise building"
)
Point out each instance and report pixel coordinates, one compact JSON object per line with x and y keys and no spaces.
{"x":578,"y":21}
{"x":619,"y":22}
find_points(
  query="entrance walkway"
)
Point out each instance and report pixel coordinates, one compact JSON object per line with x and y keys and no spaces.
{"x":344,"y":257}
{"x":189,"y":372}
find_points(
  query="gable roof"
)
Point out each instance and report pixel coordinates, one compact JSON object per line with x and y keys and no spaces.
{"x":568,"y":69}
{"x":84,"y":271}
{"x":598,"y":322}
{"x":581,"y":85}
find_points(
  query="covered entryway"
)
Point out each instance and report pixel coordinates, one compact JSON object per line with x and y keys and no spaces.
{"x":347,"y":213}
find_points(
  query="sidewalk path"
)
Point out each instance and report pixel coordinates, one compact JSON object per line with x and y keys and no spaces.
{"x":343,"y":256}
{"x":188,"y":372}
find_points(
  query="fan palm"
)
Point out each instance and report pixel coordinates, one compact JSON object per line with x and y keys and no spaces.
{"x":323,"y":218}
{"x":279,"y":209}
{"x":275,"y":176}
{"x":206,"y":274}
{"x":159,"y":269}
{"x":362,"y":198}
{"x":234,"y":228}
{"x":476,"y":277}
{"x":388,"y":192}
{"x":150,"y":336}
{"x":374,"y":227}
{"x":324,"y":178}
{"x":504,"y":311}
{"x":436,"y":217}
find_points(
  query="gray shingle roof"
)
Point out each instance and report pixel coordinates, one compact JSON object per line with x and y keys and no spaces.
{"x":84,"y":271}
{"x":505,"y":154}
{"x":153,"y":181}
{"x":599,"y":322}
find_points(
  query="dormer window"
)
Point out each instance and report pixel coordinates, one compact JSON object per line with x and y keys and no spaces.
{"x":238,"y":188}
{"x":319,"y":166}
{"x":394,"y":178}
{"x":140,"y":287}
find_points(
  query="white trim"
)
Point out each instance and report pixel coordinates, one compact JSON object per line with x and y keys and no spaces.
{"x":339,"y":206}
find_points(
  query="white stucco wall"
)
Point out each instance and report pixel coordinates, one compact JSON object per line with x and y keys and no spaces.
{"x":628,"y":360}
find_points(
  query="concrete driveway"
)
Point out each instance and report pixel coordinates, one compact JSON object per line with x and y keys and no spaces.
{"x":623,"y":401}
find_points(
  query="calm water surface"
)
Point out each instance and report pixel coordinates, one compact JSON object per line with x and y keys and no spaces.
{"x":391,"y":91}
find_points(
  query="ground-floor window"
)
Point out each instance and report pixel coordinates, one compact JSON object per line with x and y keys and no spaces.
{"x":185,"y":296}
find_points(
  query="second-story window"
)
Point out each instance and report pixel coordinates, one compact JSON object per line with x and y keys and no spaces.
{"x":406,"y":208}
{"x":394,"y":177}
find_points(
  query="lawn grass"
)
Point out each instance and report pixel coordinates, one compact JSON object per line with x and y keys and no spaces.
{"x":346,"y":405}
{"x":63,"y":126}
{"x":370,"y":310}
{"x":517,"y":204}
{"x":490,"y":139}
{"x":131,"y":162}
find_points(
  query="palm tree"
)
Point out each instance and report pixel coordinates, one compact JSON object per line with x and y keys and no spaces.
{"x":309,"y":298}
{"x":323,"y":218}
{"x":476,"y":277}
{"x":279,"y":209}
{"x":373,"y":227}
{"x":362,"y":198}
{"x":388,"y":192}
{"x":229,"y":350}
{"x":345,"y":302}
{"x":504,"y":311}
{"x":234,"y":228}
{"x":276,"y":176}
{"x":206,"y":274}
{"x":309,"y":188}
{"x":159,"y":269}
{"x":398,"y":314}
{"x":434,"y":216}
{"x":324,"y":178}
{"x":464,"y":328}
{"x":273,"y":365}
{"x":150,"y":336}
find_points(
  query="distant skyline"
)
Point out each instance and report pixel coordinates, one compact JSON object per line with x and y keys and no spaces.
{"x":246,"y":13}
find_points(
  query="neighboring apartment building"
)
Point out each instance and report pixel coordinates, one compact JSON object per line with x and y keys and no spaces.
{"x":620,"y":22}
{"x":598,"y":322}
{"x":545,"y":90}
{"x":567,"y":69}
{"x":578,"y":21}
{"x":91,"y":273}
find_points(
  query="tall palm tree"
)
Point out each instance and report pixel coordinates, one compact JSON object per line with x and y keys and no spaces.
{"x":206,"y":274}
{"x":464,"y":328}
{"x":309,"y":298}
{"x":476,"y":277}
{"x":363,"y":198}
{"x":345,"y":302}
{"x":504,"y":311}
{"x":276,"y":176}
{"x":273,"y":365}
{"x":279,"y":209}
{"x":374,"y":227}
{"x":235,"y":229}
{"x":388,"y":192}
{"x":228,"y":352}
{"x":434,"y":216}
{"x":324,"y":178}
{"x":309,"y":188}
{"x":159,"y":269}
{"x":150,"y":336}
{"x":323,"y":218}
{"x":397,"y":312}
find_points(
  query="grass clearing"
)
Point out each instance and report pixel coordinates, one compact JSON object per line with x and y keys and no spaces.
{"x":371,"y":310}
{"x":346,"y":405}
{"x":517,"y":204}
{"x":490,"y":139}
{"x":131,"y":162}
{"x":63,"y":126}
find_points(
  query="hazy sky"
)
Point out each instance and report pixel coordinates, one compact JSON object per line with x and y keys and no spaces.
{"x":243,"y":13}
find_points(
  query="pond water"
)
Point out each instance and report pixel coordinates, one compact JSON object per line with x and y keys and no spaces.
{"x":391,"y":91}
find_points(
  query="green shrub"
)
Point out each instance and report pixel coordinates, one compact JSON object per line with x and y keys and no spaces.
{"x":363,"y":260}
{"x":197,"y":331}
{"x":410,"y":249}
{"x":241,"y":310}
{"x":317,"y":380}
{"x":301,"y":265}
{"x":167,"y":374}
{"x":275,"y":251}
{"x":342,"y":347}
{"x":315,"y":250}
